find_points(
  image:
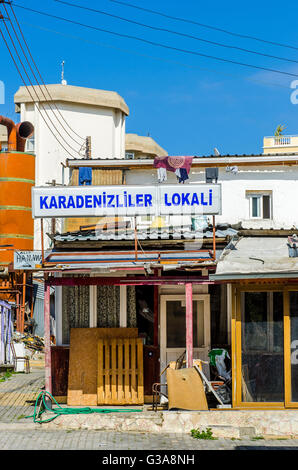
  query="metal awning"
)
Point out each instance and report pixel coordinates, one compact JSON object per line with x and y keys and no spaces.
{"x":256,"y":258}
{"x":106,"y":260}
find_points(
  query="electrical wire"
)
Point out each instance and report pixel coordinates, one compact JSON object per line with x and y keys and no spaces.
{"x":26,"y":44}
{"x":28,"y":90}
{"x":40,"y":87}
{"x":160,"y":59}
{"x":186,"y":20}
{"x":177,"y":33}
{"x":152,"y":43}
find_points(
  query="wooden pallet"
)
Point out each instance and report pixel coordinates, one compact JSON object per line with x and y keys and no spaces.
{"x":120,"y":371}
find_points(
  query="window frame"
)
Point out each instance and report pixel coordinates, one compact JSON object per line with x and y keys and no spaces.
{"x":259,"y":194}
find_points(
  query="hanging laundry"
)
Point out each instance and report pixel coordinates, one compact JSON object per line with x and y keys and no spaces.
{"x":179,"y":165}
{"x":183,"y":175}
{"x":85,"y":176}
{"x":161,"y":174}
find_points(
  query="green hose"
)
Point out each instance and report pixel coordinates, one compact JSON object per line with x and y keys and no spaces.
{"x":41,"y":407}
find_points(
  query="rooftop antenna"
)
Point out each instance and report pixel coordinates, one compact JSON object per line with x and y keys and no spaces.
{"x":216,"y":152}
{"x":64,"y":82}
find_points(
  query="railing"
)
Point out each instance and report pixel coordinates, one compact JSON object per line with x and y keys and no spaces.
{"x":281,"y":141}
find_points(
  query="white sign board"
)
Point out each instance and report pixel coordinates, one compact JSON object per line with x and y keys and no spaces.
{"x":92,"y":201}
{"x":27,"y":259}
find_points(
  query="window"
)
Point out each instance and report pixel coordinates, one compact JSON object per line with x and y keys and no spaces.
{"x":259,"y":205}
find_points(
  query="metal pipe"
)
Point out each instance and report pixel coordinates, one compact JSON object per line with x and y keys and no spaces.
{"x":11,"y":132}
{"x":17,"y":134}
{"x":214,"y":239}
{"x":24,"y":130}
{"x":42,"y":245}
{"x":47,"y":339}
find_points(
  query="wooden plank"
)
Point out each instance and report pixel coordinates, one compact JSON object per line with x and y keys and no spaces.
{"x":140,"y":370}
{"x":113,"y":371}
{"x":127,"y":394}
{"x":100,"y":384}
{"x":133,"y":370}
{"x":120,"y":372}
{"x":107,"y":396}
{"x":83,"y":362}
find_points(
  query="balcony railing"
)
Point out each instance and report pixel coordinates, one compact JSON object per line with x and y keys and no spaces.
{"x":278,"y":142}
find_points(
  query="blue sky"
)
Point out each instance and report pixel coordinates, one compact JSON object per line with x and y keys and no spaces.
{"x":188,"y":104}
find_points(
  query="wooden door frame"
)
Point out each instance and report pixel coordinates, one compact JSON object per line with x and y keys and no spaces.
{"x":162,"y":320}
{"x":236,"y":346}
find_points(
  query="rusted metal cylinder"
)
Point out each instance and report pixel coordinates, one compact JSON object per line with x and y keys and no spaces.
{"x":17,"y":176}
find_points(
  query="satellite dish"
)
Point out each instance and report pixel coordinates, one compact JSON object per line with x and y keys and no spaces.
{"x":216,"y":152}
{"x":232,"y":169}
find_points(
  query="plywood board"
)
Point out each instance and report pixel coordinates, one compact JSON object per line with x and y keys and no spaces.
{"x":186,"y":390}
{"x":83,"y":362}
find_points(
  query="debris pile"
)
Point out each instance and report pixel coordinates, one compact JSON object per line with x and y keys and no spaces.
{"x":33,"y":344}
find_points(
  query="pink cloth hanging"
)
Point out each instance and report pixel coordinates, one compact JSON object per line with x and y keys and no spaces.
{"x":173,"y":163}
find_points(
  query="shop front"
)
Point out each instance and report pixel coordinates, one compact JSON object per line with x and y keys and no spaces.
{"x":263,"y":281}
{"x":159,"y":290}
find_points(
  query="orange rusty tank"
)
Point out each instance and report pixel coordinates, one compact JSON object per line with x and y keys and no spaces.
{"x":17,"y":176}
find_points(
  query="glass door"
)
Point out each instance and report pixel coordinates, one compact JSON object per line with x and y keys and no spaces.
{"x":291,"y":349}
{"x":262,"y":348}
{"x":173,"y":328}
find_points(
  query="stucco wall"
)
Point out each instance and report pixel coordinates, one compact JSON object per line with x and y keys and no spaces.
{"x":281,"y":181}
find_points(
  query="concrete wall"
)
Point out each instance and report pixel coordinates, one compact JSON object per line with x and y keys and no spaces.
{"x":281,"y":181}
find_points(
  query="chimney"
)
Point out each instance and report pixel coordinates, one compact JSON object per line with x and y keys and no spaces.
{"x":17,"y":134}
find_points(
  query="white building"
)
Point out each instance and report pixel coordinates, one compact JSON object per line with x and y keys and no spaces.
{"x":62,"y":123}
{"x":258,"y":191}
{"x":63,"y":117}
{"x":83,"y":112}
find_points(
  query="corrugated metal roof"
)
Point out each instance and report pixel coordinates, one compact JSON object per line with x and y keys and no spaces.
{"x":95,"y":260}
{"x":147,"y":234}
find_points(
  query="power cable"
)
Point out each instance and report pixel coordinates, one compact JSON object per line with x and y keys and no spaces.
{"x":177,"y":33}
{"x":40,"y":87}
{"x":152,"y":43}
{"x":26,"y":44}
{"x":160,"y":59}
{"x":186,"y":20}
{"x":28,"y":90}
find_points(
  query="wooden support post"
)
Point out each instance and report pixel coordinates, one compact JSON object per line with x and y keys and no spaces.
{"x":47,"y":339}
{"x":189,"y":325}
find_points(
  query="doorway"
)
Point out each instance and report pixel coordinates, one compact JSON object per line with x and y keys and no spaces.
{"x":173,"y":328}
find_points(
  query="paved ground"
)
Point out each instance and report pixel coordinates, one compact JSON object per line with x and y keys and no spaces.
{"x":17,"y":398}
{"x":101,"y":440}
{"x":18,"y":395}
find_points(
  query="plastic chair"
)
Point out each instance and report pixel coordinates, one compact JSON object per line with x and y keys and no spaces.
{"x":22,"y":358}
